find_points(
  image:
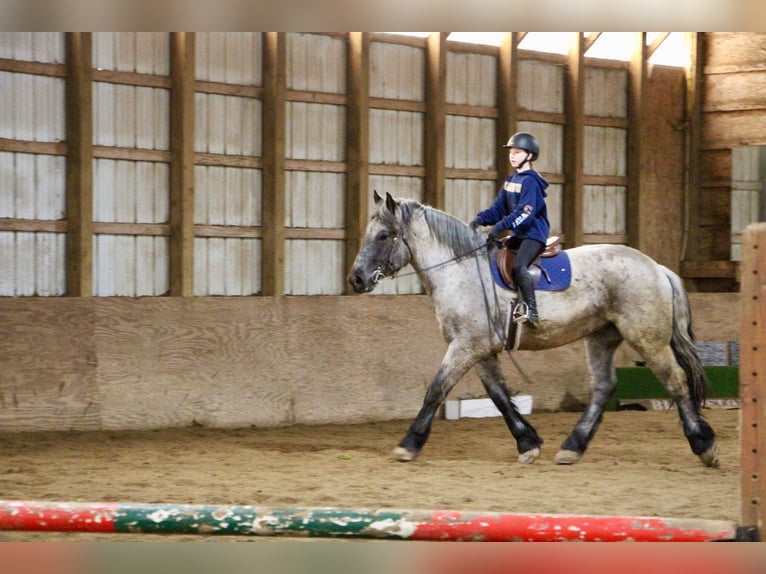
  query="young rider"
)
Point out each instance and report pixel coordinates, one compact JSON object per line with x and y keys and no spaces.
{"x":520,"y":207}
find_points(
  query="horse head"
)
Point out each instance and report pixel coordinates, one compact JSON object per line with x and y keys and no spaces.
{"x":384,"y":250}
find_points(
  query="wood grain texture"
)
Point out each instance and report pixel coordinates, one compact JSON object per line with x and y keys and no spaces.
{"x":48,"y":375}
{"x":146,"y":363}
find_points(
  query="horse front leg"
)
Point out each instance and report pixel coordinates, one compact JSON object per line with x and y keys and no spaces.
{"x":454,"y":365}
{"x":528,"y":442}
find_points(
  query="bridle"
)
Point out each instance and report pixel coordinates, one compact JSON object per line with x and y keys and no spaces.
{"x":378,"y":273}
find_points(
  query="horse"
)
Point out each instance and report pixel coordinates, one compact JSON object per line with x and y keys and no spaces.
{"x":616,"y":294}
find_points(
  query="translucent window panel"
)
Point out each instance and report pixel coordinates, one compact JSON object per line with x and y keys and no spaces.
{"x":227,"y":266}
{"x":229,"y":57}
{"x":227,"y":196}
{"x":316,"y":131}
{"x":34,"y":186}
{"x":32,"y":264}
{"x":130,"y":116}
{"x":228,"y":125}
{"x":541,"y":86}
{"x":605,"y":151}
{"x":142,"y":52}
{"x":396,"y":137}
{"x":314,"y":199}
{"x":397,"y":72}
{"x":33,"y":107}
{"x":470,"y":142}
{"x":471,"y":79}
{"x":604,"y":209}
{"x":131,"y":191}
{"x":130,"y":265}
{"x":316,"y":63}
{"x":314,"y":267}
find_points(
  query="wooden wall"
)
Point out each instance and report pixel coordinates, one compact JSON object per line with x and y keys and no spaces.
{"x":156,"y":362}
{"x":732,"y":76}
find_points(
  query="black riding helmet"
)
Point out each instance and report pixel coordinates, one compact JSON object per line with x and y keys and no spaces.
{"x":525,"y":141}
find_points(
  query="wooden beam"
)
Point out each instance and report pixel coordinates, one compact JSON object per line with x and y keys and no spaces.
{"x":79,"y":164}
{"x":656,"y":43}
{"x":182,"y":164}
{"x":507,"y":102}
{"x":574,"y":143}
{"x":436,"y":119}
{"x":636,"y":115}
{"x":693,"y":111}
{"x":752,"y":369}
{"x":357,"y":145}
{"x":590,"y":39}
{"x":274,"y":114}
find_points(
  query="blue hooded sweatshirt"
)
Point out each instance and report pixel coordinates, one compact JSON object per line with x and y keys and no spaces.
{"x":520,"y":206}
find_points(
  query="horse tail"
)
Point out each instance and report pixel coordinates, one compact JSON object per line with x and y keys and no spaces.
{"x":682,"y":341}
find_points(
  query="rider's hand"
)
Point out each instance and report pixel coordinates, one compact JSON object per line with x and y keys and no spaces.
{"x":474,"y":224}
{"x":493,"y":234}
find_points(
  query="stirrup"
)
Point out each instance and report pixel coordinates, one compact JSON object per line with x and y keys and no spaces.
{"x":520,"y":312}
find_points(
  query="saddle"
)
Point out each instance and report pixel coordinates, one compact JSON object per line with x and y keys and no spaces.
{"x":505,"y":256}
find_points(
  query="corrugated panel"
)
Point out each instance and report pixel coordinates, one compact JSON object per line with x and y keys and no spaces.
{"x":228,"y":125}
{"x":541,"y":86}
{"x":142,"y":52}
{"x":605,"y":151}
{"x":314,"y":267}
{"x":130,"y":191}
{"x":470,"y":142}
{"x":604,"y":209}
{"x":45,"y":47}
{"x":314,"y":199}
{"x":551,"y":139}
{"x":316,"y":63}
{"x":227,"y":196}
{"x":33,"y":108}
{"x":464,"y":198}
{"x":471,"y":79}
{"x":397,"y":72}
{"x":130,"y":116}
{"x":315,"y":131}
{"x":606,"y":92}
{"x":399,"y":187}
{"x":130,"y":266}
{"x":229,"y":57}
{"x":34,"y":186}
{"x":745,"y":163}
{"x":555,"y":211}
{"x":226,"y":266}
{"x":396,"y":138}
{"x":32,"y":264}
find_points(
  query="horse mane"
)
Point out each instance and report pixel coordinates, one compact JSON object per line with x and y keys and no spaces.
{"x":447,"y":229}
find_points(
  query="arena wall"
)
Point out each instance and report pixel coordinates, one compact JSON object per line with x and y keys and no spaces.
{"x":144,"y":363}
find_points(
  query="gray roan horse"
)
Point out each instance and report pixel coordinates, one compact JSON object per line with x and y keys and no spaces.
{"x":616,"y":294}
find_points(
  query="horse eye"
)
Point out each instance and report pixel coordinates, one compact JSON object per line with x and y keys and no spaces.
{"x":383,"y":235}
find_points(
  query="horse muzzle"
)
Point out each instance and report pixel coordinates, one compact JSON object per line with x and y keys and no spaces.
{"x":361,"y":282}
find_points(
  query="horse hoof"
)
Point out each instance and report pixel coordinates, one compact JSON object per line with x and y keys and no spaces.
{"x":710,"y":457}
{"x":530,"y":456}
{"x":568,"y":456}
{"x":403,"y":455}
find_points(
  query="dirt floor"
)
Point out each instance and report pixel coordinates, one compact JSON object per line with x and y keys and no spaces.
{"x":638,"y":464}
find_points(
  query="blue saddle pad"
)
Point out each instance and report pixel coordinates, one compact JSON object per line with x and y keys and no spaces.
{"x":557,"y":267}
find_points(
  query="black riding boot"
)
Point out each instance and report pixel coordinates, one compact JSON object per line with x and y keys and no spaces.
{"x":527,"y":291}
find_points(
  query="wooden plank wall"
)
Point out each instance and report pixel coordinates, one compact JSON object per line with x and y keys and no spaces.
{"x":98,"y":363}
{"x":733,"y":98}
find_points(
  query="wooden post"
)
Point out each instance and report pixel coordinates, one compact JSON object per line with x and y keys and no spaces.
{"x":507,"y":101}
{"x":693,"y":110}
{"x":182,"y":164}
{"x":79,"y":164}
{"x":357,"y":144}
{"x":752,"y":376}
{"x":436,"y":119}
{"x":636,"y":105}
{"x":574,"y":138}
{"x":274,"y":117}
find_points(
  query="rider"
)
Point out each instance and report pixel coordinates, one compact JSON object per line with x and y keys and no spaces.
{"x":520,"y":207}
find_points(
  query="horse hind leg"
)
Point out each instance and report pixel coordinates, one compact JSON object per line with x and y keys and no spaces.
{"x":679,"y":378}
{"x":528,"y":442}
{"x":600,"y":347}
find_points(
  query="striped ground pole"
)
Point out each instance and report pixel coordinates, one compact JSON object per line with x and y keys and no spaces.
{"x":445,"y":525}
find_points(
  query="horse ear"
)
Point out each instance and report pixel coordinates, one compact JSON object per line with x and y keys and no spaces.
{"x":376,"y":197}
{"x":390,"y":203}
